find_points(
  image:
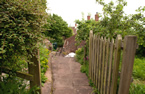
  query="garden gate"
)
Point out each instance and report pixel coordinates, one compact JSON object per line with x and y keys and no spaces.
{"x":104,"y":63}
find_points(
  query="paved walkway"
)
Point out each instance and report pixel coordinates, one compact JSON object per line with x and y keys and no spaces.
{"x":67,"y":78}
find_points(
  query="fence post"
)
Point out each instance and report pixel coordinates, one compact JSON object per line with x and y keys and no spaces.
{"x":85,"y":53}
{"x":97,"y":61}
{"x":93,"y":59}
{"x":116,"y":64}
{"x":34,"y":69}
{"x":100,"y":62}
{"x":110,"y":66}
{"x":129,"y":49}
{"x":90,"y":53}
{"x":106,"y":65}
{"x":103,"y":67}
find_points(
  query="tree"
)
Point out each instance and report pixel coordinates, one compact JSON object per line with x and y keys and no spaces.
{"x":57,"y":29}
{"x":84,"y":28}
{"x":114,"y":21}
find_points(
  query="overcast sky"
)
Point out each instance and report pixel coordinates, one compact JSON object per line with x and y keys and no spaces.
{"x":70,"y":10}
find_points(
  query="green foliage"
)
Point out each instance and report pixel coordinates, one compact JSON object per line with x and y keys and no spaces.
{"x":95,"y":90}
{"x":85,"y":68}
{"x":20,"y":29}
{"x":43,"y":78}
{"x":57,"y":29}
{"x":84,"y":28}
{"x":140,"y":51}
{"x":44,"y":55}
{"x":80,"y":55}
{"x":137,"y":89}
{"x":80,"y":58}
{"x":114,"y":21}
{"x":15,"y":85}
{"x":139,"y":68}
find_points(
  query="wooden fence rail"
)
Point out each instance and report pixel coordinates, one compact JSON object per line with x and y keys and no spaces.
{"x":34,"y":72}
{"x":104,"y":62}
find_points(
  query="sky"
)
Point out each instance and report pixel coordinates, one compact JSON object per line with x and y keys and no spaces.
{"x":71,"y":10}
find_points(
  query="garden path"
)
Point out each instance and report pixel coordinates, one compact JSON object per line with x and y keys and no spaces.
{"x":67,"y":78}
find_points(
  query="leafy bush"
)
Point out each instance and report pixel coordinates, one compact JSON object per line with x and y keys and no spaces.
{"x":57,"y":29}
{"x":85,"y":68}
{"x":139,"y":68}
{"x":137,"y":89}
{"x":80,"y":55}
{"x":15,"y":85}
{"x":140,"y":51}
{"x":21,"y":28}
{"x":43,"y":78}
{"x":44,"y":55}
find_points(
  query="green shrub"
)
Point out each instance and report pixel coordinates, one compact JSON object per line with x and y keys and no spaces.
{"x":140,"y":51}
{"x":15,"y":85}
{"x":44,"y":55}
{"x":139,"y":68}
{"x":80,"y":58}
{"x":80,"y":55}
{"x":85,"y":68}
{"x":137,"y":89}
{"x":139,"y":74}
{"x":43,"y":79}
{"x":21,"y":23}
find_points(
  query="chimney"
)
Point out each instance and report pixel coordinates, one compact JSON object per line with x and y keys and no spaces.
{"x":88,"y":17}
{"x":96,"y":17}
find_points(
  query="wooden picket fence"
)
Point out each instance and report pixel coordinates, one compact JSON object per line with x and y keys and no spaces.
{"x":34,"y":75}
{"x":104,"y":61}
